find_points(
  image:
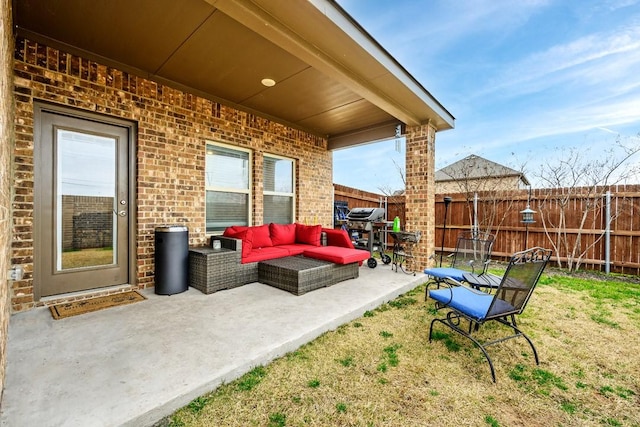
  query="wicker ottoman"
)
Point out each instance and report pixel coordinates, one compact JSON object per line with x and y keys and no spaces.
{"x":211,"y":270}
{"x":296,"y":274}
{"x":343,"y":272}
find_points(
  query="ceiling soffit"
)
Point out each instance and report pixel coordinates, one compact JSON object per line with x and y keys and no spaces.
{"x":329,"y":81}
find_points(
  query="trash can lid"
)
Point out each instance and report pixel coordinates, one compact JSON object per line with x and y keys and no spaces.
{"x":171,"y":228}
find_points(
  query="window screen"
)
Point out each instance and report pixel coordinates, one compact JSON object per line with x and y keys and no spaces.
{"x":227,"y":176}
{"x":279,"y":194}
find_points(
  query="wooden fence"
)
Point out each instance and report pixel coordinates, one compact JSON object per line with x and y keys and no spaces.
{"x":568,"y":220}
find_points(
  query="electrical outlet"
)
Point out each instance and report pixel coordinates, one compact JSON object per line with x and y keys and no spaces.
{"x":15,"y":273}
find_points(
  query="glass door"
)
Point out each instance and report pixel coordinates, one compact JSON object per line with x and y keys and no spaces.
{"x":82,"y":204}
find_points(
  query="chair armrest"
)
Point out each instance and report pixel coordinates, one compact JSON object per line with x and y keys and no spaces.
{"x":228,"y":243}
{"x":485,"y":266}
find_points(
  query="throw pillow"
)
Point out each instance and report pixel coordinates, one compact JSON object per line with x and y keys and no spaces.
{"x":309,"y":234}
{"x":261,"y":237}
{"x":282,"y":234}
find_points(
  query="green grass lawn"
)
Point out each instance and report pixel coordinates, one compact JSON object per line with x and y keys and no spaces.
{"x":87,"y":258}
{"x":381,"y":370}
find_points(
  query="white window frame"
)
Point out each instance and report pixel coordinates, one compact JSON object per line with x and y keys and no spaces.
{"x":219,"y":188}
{"x":291,"y":194}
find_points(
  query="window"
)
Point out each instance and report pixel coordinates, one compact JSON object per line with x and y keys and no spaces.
{"x":227,"y":178}
{"x":279,"y":192}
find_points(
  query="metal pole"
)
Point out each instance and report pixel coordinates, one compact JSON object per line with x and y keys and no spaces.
{"x":386,"y":219}
{"x":447,"y":200}
{"x":476,"y":230}
{"x":607,"y":235}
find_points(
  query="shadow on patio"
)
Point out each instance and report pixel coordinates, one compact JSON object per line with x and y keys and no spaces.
{"x":134,"y":364}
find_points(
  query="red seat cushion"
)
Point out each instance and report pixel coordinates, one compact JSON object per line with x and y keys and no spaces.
{"x":295,"y":249}
{"x":261,"y":254}
{"x":337,"y":255}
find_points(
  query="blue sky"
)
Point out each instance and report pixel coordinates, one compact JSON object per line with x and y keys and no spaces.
{"x":524,"y":79}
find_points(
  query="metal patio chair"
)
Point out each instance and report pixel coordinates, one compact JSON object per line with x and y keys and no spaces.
{"x":510,"y":299}
{"x":472,"y":255}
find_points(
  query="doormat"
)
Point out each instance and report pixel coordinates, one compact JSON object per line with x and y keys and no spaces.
{"x":68,"y":309}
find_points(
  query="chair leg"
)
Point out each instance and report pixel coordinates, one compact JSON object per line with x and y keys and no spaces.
{"x":452,"y":321}
{"x":518,"y":333}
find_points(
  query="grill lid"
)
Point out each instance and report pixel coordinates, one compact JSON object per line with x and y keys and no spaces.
{"x":366,"y":214}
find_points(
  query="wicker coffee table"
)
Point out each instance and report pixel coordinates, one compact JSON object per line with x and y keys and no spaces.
{"x":296,"y":274}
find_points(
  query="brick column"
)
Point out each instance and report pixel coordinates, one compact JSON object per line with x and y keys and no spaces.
{"x":7,"y":140}
{"x":258,"y":188}
{"x":420,"y":190}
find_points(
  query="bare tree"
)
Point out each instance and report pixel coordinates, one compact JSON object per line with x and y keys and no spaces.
{"x":395,"y":197}
{"x":497,"y":187}
{"x":577,"y":176}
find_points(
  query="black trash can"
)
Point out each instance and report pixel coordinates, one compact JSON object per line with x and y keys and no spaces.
{"x":172,"y":259}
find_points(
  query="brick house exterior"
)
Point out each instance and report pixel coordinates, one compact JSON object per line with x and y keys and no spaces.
{"x":172,"y":128}
{"x":475,"y":174}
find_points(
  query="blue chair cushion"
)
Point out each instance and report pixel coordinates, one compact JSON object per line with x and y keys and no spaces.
{"x":444,"y":272}
{"x":473,"y":304}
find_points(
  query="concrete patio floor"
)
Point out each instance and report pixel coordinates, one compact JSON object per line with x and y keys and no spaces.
{"x":135,"y":364}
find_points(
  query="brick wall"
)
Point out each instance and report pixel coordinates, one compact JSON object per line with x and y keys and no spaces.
{"x":87,"y":222}
{"x":464,"y":185}
{"x":6,"y":142}
{"x":172,"y":130}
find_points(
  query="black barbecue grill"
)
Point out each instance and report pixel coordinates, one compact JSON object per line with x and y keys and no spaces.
{"x":365,"y":227}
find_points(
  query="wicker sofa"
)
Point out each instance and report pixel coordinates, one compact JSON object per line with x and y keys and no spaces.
{"x":251,"y":245}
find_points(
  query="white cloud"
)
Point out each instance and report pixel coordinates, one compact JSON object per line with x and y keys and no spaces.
{"x":521,"y":78}
{"x":570,"y":61}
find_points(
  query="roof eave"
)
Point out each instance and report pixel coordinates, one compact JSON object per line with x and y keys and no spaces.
{"x":409,"y":101}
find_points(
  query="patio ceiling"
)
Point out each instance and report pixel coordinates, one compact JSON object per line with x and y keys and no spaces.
{"x":332,"y":78}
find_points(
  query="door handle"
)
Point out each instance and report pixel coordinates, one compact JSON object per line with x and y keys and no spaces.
{"x":122,"y":213}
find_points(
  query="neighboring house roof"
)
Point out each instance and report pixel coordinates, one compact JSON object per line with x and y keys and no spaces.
{"x":476,"y":167}
{"x":331,"y":77}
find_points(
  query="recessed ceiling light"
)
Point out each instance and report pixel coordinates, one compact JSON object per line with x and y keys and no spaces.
{"x":268,"y":82}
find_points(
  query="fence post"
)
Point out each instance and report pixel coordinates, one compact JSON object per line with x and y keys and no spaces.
{"x":607,"y":234}
{"x":447,"y":201}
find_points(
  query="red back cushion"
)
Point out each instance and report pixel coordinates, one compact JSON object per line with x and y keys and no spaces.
{"x":246,"y":235}
{"x":261,"y":236}
{"x":338,"y":238}
{"x":282,"y":234}
{"x":309,"y":234}
{"x":233,"y":230}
